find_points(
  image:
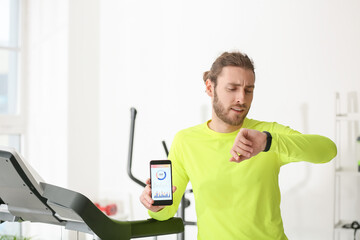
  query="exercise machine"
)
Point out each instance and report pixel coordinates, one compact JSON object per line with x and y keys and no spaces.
{"x":184,"y":201}
{"x":24,"y":196}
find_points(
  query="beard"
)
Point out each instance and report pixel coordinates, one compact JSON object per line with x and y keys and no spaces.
{"x":224,"y":114}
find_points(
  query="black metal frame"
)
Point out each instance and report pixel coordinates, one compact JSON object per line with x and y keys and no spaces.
{"x":131,"y":146}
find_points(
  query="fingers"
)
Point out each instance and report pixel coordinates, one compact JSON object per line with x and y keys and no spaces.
{"x":237,"y":158}
{"x":242,"y":149}
{"x":248,"y":143}
{"x":147,"y":201}
{"x":145,"y":197}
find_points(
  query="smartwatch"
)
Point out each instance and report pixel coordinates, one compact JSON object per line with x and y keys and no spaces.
{"x":268,"y":141}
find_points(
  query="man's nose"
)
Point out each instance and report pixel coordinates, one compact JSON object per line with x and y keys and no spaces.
{"x":240,"y":96}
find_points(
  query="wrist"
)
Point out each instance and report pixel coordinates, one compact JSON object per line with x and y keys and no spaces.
{"x":268,"y":141}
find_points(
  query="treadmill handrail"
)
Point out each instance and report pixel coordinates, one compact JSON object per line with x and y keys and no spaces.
{"x":131,"y":145}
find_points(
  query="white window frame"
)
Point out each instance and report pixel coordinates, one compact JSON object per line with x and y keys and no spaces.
{"x":15,"y":124}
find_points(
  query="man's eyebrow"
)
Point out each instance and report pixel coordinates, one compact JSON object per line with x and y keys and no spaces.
{"x":237,"y":84}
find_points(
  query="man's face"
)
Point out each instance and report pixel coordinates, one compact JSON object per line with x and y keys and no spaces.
{"x":233,"y":95}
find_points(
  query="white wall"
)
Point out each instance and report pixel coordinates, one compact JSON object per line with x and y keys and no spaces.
{"x":152,"y":56}
{"x":45,"y":59}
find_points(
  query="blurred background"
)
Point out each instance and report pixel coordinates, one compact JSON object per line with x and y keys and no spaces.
{"x":71,"y":70}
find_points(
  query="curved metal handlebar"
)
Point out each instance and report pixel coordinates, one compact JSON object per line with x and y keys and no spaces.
{"x":131,"y":144}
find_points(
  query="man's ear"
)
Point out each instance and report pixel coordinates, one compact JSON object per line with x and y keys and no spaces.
{"x":209,"y":88}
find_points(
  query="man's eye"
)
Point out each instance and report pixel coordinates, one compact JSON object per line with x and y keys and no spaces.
{"x":248,"y":91}
{"x":231,"y":89}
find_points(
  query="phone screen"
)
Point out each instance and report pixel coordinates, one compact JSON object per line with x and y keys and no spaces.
{"x":161,"y":182}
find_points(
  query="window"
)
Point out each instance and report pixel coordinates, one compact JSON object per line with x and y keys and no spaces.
{"x":11,"y":117}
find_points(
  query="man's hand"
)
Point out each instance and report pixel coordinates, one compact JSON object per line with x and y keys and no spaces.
{"x":146,"y":199}
{"x":248,"y":143}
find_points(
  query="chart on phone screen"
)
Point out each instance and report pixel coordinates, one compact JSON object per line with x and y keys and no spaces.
{"x":161,"y":182}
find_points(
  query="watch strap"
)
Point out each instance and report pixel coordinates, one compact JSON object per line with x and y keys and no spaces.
{"x":268,"y":141}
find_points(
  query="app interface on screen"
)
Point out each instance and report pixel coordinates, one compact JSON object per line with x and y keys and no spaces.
{"x":161,"y":182}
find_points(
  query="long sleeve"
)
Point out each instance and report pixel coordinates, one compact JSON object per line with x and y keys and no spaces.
{"x":180,"y":180}
{"x":292,"y":146}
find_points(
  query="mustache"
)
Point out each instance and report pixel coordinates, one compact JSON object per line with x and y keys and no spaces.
{"x":239,"y":106}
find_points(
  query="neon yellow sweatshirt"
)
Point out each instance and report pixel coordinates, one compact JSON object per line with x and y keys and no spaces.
{"x":238,"y":200}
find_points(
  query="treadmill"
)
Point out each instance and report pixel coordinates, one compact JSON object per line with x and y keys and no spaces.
{"x":24,"y":196}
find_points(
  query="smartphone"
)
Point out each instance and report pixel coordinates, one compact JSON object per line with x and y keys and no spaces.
{"x":161,"y":182}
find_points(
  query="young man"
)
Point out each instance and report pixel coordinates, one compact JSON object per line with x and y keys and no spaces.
{"x":233,"y":162}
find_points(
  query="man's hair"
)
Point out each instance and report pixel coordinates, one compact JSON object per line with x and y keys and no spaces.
{"x":236,"y":59}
